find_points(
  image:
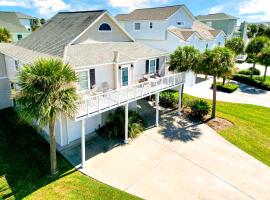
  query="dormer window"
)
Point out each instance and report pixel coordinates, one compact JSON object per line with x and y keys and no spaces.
{"x":180,"y":23}
{"x":105,"y":27}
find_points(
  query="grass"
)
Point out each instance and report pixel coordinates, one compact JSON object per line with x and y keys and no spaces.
{"x":251,"y":130}
{"x":24,"y":168}
{"x":227,"y":87}
{"x":260,"y":78}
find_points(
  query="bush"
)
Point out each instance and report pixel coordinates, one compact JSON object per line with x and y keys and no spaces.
{"x":248,"y":71}
{"x":199,"y":108}
{"x":249,"y":60}
{"x":168,"y":99}
{"x":115,"y":124}
{"x":227,"y":87}
{"x":253,"y":82}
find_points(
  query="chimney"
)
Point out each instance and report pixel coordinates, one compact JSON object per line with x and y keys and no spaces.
{"x":116,"y":56}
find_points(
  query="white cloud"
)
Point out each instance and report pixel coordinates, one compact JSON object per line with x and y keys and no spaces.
{"x":130,"y":5}
{"x":217,"y":9}
{"x":255,"y":10}
{"x":13,"y":3}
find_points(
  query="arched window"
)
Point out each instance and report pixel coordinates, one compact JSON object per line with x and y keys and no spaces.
{"x":105,"y":27}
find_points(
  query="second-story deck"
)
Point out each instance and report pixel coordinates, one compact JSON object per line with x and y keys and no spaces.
{"x":95,"y":104}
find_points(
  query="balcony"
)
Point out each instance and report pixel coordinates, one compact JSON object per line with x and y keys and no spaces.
{"x":96,"y":104}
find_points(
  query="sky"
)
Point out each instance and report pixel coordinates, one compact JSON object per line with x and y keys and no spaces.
{"x":245,"y":10}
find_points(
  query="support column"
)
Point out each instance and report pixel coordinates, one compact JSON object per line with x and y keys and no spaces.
{"x":157,"y":109}
{"x":126,"y":124}
{"x":180,"y":97}
{"x":83,"y":143}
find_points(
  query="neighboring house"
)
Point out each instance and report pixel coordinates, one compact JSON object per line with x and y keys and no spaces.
{"x":221,"y":21}
{"x":18,"y":24}
{"x":113,"y":69}
{"x":167,"y":28}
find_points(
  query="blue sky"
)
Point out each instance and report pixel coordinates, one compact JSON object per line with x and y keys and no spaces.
{"x":250,"y":10}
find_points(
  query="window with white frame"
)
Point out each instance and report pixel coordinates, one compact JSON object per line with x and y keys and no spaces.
{"x":152,"y":66}
{"x":105,"y":27}
{"x":17,"y":65}
{"x":83,"y":80}
{"x":137,"y":26}
{"x":151,"y":25}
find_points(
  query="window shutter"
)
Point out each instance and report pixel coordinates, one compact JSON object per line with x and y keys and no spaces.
{"x":157,"y":65}
{"x":92,"y":77}
{"x":147,"y":67}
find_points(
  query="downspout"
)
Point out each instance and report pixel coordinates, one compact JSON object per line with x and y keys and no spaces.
{"x":116,"y":71}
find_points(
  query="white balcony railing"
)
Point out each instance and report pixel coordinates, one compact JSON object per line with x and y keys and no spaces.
{"x":95,"y":104}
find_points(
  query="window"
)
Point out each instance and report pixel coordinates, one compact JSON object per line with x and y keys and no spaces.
{"x":207,"y":46}
{"x":17,"y":65}
{"x":209,"y":23}
{"x":92,"y":78}
{"x":219,"y":43}
{"x":152,"y":66}
{"x":19,"y":37}
{"x":105,"y":27}
{"x":180,"y":23}
{"x":151,"y":25}
{"x":137,"y":26}
{"x":125,"y":76}
{"x":83,"y":80}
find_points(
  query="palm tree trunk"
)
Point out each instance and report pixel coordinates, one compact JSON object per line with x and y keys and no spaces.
{"x":253,"y":67}
{"x":265,"y":73}
{"x":223,"y":82}
{"x":52,"y":146}
{"x":206,"y":77}
{"x":214,"y":97}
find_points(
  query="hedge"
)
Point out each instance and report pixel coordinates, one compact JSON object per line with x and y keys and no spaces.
{"x":227,"y":87}
{"x":252,"y":82}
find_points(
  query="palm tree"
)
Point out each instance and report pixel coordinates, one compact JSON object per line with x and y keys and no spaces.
{"x":46,"y":89}
{"x":254,"y":47}
{"x":184,"y":59}
{"x":217,"y":62}
{"x":5,"y":35}
{"x":264,"y":59}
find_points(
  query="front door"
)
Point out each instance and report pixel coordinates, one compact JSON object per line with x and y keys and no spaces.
{"x":124,"y":81}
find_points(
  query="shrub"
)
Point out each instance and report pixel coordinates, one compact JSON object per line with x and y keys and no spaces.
{"x":168,"y":99}
{"x":115,"y":124}
{"x":227,"y":87}
{"x":253,"y":82}
{"x":199,"y":108}
{"x":248,"y":71}
{"x":249,"y":60}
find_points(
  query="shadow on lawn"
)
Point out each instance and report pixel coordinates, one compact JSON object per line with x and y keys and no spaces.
{"x":24,"y":159}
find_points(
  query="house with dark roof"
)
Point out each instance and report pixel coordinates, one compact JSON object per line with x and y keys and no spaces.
{"x":17,"y":23}
{"x":222,"y":21}
{"x":113,"y":69}
{"x":167,"y":28}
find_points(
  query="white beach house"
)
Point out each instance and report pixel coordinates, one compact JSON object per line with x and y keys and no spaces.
{"x":113,"y":69}
{"x":167,"y":28}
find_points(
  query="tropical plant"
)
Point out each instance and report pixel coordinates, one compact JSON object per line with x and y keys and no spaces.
{"x":254,"y":47}
{"x":5,"y":35}
{"x":264,"y":59}
{"x":47,"y":89}
{"x":237,"y":45}
{"x":167,"y":99}
{"x":115,"y":124}
{"x":252,"y":30}
{"x":199,"y":108}
{"x":218,"y":62}
{"x":184,"y":59}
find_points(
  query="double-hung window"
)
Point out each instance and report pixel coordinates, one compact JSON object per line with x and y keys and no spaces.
{"x":152,"y":66}
{"x":83,"y":80}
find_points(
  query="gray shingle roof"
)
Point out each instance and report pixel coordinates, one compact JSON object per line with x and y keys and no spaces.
{"x":103,"y":53}
{"x":158,"y":13}
{"x":22,"y":54}
{"x":23,"y":16}
{"x":10,"y":21}
{"x":216,"y":16}
{"x":204,"y":31}
{"x":59,"y":31}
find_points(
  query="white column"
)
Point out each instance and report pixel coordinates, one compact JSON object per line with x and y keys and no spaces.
{"x":83,"y":142}
{"x":157,"y":109}
{"x":180,"y":91}
{"x":126,"y":124}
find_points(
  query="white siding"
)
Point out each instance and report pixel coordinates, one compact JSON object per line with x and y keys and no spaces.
{"x":10,"y":66}
{"x":180,"y":16}
{"x":94,"y":35}
{"x":5,"y":93}
{"x":3,"y":71}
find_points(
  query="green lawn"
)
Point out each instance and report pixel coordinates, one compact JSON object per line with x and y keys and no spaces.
{"x":251,"y":131}
{"x":24,"y":169}
{"x":267,"y":80}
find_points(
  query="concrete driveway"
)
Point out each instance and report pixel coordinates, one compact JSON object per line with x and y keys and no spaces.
{"x":178,"y":160}
{"x":245,"y":94}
